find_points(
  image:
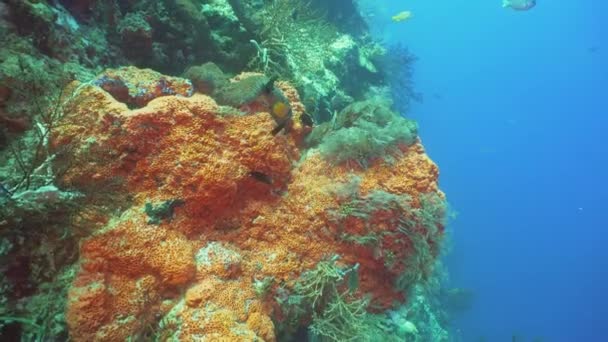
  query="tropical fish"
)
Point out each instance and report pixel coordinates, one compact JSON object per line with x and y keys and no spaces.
{"x":280,"y":109}
{"x":307,"y":120}
{"x":519,"y":5}
{"x":261,"y":177}
{"x":402,"y":16}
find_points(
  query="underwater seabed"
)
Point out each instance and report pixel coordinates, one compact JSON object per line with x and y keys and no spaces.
{"x":218,"y":170}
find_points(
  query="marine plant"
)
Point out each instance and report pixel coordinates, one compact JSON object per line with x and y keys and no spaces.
{"x":42,"y":97}
{"x":354,"y":204}
{"x":36,"y":216}
{"x":366,"y":130}
{"x":343,"y":319}
{"x":326,"y":297}
{"x":293,"y":39}
{"x":423,"y":233}
{"x":30,"y":170}
{"x":397,"y":66}
{"x":419,"y":227}
{"x":316,"y":291}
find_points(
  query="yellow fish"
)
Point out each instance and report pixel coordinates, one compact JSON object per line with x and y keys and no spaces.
{"x":280,"y":110}
{"x":402,"y":16}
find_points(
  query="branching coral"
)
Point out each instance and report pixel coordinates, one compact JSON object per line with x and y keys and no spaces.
{"x":293,"y":36}
{"x":344,"y":319}
{"x":318,"y":285}
{"x":317,"y":294}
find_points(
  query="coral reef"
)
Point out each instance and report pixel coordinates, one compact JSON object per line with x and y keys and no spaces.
{"x":210,"y":169}
{"x":322,"y":48}
{"x":230,"y":227}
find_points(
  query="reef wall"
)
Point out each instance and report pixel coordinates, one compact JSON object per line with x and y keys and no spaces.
{"x":262,"y":188}
{"x":224,"y":231}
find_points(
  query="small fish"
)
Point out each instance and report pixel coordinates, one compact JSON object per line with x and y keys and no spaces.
{"x":519,"y":5}
{"x":261,"y":177}
{"x":402,"y":16}
{"x":280,"y":109}
{"x":307,"y":120}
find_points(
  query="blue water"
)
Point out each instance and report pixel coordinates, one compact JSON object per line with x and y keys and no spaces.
{"x":516,"y":116}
